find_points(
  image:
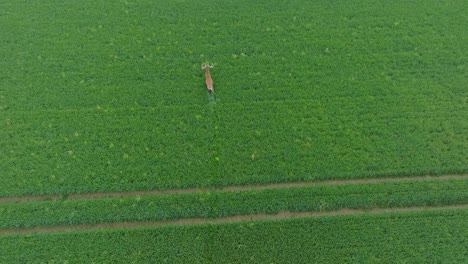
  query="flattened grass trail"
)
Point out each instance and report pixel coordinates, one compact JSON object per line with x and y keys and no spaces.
{"x":413,"y":236}
{"x":227,"y":188}
{"x":327,"y":116}
{"x":230,"y":219}
{"x":228,"y":203}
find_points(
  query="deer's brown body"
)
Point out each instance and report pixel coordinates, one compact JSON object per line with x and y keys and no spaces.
{"x":209,"y":81}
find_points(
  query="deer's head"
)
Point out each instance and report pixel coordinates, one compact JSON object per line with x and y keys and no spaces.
{"x":204,"y":66}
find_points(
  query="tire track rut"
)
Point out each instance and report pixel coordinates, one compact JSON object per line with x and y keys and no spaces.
{"x":231,"y":219}
{"x":228,"y":188}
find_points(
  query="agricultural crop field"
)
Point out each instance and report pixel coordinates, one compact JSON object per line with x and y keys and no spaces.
{"x":359,"y":239}
{"x":337,"y":131}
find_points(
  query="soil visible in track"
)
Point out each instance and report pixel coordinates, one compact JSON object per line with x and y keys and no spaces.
{"x":239,"y":218}
{"x":229,"y":188}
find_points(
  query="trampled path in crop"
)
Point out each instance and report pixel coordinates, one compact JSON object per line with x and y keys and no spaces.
{"x":227,"y":188}
{"x":230,"y":219}
{"x":234,"y":218}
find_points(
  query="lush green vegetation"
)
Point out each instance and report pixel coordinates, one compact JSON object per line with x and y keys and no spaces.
{"x":229,"y":203}
{"x":99,"y":95}
{"x":412,"y":237}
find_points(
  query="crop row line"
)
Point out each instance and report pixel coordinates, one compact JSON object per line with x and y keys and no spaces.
{"x":226,"y":188}
{"x":230,"y":219}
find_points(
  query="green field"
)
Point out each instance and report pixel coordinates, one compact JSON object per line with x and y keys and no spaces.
{"x":108,"y":96}
{"x":99,"y":96}
{"x":217,"y":204}
{"x":415,"y":237}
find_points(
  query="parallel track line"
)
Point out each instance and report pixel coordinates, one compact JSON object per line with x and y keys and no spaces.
{"x":228,"y":188}
{"x":231,"y":219}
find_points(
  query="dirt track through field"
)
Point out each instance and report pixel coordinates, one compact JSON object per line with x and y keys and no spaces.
{"x":229,"y":188}
{"x":231,"y":219}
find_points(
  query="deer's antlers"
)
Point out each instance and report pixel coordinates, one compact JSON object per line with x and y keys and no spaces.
{"x":206,"y":65}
